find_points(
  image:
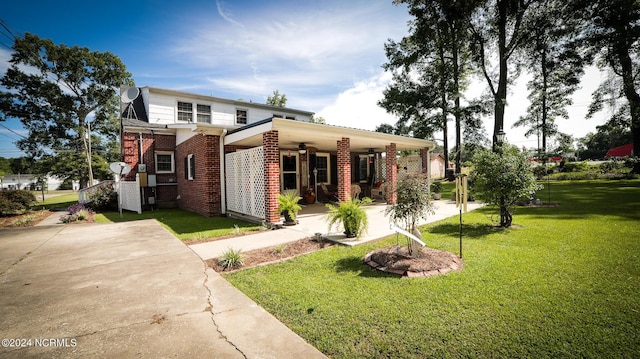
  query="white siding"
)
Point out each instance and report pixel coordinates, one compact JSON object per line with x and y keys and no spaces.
{"x":162,"y":110}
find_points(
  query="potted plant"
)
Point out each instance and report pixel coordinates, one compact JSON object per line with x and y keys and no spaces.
{"x":436,"y":189}
{"x":288,"y":206}
{"x":351,"y":215}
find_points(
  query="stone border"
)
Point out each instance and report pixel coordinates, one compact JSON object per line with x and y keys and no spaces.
{"x":455,"y":265}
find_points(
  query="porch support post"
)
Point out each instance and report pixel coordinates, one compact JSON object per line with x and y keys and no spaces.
{"x":392,"y":173}
{"x":271,"y":176}
{"x":425,"y":155}
{"x":344,"y":169}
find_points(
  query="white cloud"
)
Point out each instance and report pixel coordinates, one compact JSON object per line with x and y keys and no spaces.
{"x":358,"y":107}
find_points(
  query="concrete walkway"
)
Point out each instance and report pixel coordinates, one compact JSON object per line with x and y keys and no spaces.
{"x":124,"y":290}
{"x":311,"y":221}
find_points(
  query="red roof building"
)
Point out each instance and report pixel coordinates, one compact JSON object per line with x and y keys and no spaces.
{"x":621,"y":151}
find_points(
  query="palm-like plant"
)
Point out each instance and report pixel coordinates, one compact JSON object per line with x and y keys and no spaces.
{"x":351,"y":215}
{"x":288,"y":205}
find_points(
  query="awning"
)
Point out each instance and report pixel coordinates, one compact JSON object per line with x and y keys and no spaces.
{"x":323,"y":137}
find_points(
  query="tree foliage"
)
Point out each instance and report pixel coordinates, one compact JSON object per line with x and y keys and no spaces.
{"x":611,"y":32}
{"x":553,"y":58}
{"x":502,"y":178}
{"x":55,"y":90}
{"x":277,"y":99}
{"x":413,"y":203}
{"x":430,"y":71}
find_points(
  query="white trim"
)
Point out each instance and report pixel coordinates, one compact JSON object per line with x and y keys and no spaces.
{"x":328,"y":156}
{"x":173,"y":161}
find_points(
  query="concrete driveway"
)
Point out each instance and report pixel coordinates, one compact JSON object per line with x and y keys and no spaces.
{"x":125,"y":290}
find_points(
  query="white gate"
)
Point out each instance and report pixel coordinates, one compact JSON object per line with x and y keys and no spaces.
{"x":245,"y":182}
{"x":130,"y":194}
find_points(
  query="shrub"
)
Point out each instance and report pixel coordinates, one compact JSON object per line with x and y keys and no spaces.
{"x":351,"y":214}
{"x":501,"y":179}
{"x":103,"y":197}
{"x":231,"y":258}
{"x":15,"y":201}
{"x":77,"y":212}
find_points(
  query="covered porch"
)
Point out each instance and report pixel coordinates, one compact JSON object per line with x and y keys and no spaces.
{"x":335,"y":163}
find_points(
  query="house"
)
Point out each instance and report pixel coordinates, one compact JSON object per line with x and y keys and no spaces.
{"x":218,"y":156}
{"x":620,"y":151}
{"x":28,"y":182}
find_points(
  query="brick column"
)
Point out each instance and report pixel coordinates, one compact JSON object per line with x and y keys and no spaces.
{"x":425,"y":155}
{"x":344,"y":170}
{"x":271,"y":176}
{"x":392,"y":173}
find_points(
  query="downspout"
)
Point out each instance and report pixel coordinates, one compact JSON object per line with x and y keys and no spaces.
{"x":140,"y":142}
{"x":223,"y":185}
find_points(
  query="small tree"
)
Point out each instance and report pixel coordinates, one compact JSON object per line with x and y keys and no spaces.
{"x":413,"y":203}
{"x":501,"y":178}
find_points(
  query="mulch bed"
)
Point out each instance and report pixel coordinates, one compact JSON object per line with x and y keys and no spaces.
{"x":273,"y":254}
{"x":18,"y":221}
{"x":428,"y":262}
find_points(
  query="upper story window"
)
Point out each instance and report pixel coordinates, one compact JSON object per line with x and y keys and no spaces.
{"x":204,"y":113}
{"x":284,"y":116}
{"x":164,"y":162}
{"x":241,"y":117}
{"x":185,"y":111}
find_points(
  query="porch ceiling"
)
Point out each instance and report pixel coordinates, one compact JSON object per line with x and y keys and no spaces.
{"x":323,"y":137}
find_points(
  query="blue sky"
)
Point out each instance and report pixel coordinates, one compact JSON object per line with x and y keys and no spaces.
{"x":326,"y":56}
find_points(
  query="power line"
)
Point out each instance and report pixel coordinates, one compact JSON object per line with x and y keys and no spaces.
{"x":13,"y":131}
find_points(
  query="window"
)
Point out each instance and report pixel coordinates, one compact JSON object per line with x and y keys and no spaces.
{"x":190,"y":167}
{"x":185,"y":111}
{"x":164,"y":162}
{"x":322,"y":165}
{"x":241,"y":117}
{"x":204,"y":113}
{"x":363,"y":168}
{"x":283,"y":116}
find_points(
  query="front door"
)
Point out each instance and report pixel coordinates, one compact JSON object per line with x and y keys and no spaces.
{"x":289,"y":170}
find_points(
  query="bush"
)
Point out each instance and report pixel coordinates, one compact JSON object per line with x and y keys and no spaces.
{"x":15,"y":201}
{"x":351,"y":214}
{"x":77,"y":212}
{"x":231,"y":258}
{"x":103,"y":198}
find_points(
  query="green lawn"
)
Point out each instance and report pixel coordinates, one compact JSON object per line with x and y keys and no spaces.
{"x":565,"y":282}
{"x":183,"y":224}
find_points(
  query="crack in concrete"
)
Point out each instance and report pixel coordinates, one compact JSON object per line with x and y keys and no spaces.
{"x":213,"y":319}
{"x":26,"y":255}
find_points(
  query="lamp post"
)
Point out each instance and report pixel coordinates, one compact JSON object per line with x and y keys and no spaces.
{"x":499,"y":142}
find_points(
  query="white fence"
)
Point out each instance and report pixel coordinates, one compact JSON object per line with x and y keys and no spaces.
{"x":245,"y":182}
{"x":130,"y":195}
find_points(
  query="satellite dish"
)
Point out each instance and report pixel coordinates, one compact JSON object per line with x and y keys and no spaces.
{"x":130,"y":94}
{"x":120,"y":168}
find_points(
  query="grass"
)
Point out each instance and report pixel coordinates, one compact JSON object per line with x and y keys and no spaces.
{"x":563,"y":282}
{"x":185,"y":225}
{"x":61,"y":201}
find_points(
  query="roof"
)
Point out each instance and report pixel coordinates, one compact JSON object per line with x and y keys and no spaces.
{"x":323,"y":137}
{"x":229,"y":101}
{"x":621,"y":151}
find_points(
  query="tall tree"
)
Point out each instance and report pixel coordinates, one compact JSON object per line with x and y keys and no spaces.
{"x":612,"y":32}
{"x":430,"y":67}
{"x":552,"y":58}
{"x":277,"y":99}
{"x":55,"y":90}
{"x":498,"y":33}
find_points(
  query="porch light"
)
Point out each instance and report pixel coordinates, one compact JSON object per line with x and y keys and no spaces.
{"x":302,"y":148}
{"x":500,"y":137}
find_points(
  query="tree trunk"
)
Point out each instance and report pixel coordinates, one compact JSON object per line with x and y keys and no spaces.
{"x":456,"y":106}
{"x":632,"y":96}
{"x":500,"y":97}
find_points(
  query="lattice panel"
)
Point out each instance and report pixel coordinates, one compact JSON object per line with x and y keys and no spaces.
{"x":381,"y":169}
{"x":245,"y":182}
{"x":409,"y":165}
{"x":130,"y":192}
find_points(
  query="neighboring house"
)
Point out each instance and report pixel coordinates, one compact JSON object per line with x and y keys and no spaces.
{"x":620,"y":151}
{"x":18,"y":181}
{"x":218,"y":156}
{"x":27,"y":182}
